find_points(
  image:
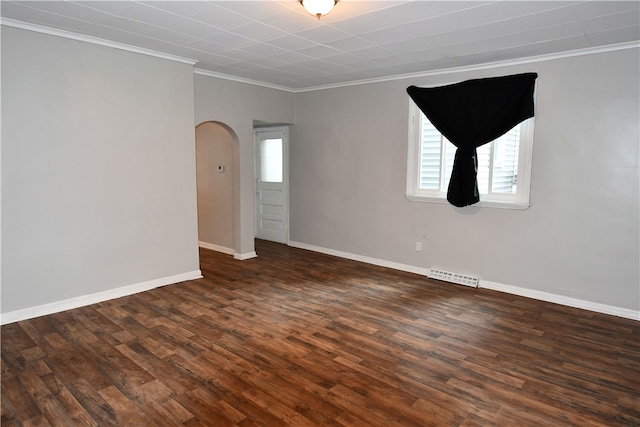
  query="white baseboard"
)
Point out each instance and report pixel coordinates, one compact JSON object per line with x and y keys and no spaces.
{"x":228,"y":251}
{"x":217,"y":248}
{"x":247,"y":255}
{"x":71,"y":303}
{"x":514,"y":290}
{"x":561,"y":299}
{"x":375,"y":261}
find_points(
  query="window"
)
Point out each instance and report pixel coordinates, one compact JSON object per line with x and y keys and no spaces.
{"x":504,"y":165}
{"x":271,"y":160}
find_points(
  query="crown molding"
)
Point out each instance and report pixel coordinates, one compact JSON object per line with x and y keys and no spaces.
{"x":208,"y":73}
{"x":478,"y":67}
{"x":200,"y":71}
{"x":93,"y":40}
{"x":437,"y":72}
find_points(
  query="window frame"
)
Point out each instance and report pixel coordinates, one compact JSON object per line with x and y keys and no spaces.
{"x":519,"y":200}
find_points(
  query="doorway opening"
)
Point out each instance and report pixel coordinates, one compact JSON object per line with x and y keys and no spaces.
{"x":271,"y":147}
{"x":215,"y":151}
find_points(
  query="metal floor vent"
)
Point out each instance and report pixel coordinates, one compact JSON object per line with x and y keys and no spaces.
{"x":460,"y":279}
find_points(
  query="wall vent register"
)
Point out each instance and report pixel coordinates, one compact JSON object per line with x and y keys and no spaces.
{"x":457,"y":278}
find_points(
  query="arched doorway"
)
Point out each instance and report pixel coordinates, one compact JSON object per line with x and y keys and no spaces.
{"x":215,"y":147}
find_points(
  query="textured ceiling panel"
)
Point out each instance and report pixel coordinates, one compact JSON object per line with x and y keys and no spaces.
{"x":277,"y":43}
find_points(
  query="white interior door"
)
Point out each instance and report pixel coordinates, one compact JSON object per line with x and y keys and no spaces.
{"x":272,"y":212}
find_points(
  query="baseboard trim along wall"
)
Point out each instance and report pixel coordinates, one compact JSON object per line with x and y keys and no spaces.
{"x":228,"y":251}
{"x":361,"y":258}
{"x":71,"y":303}
{"x":514,"y":290}
{"x":217,"y":248}
{"x":561,"y":299}
{"x":247,"y":255}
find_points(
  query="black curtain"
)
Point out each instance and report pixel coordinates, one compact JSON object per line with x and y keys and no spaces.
{"x":473,"y":113}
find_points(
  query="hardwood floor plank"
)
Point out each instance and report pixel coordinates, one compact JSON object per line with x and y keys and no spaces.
{"x":175,"y":411}
{"x":67,"y":400}
{"x":9,"y":413}
{"x":437,"y":415}
{"x":297,"y":338}
{"x":17,"y":400}
{"x":204,"y":406}
{"x":92,"y":402}
{"x":39,"y":421}
{"x":51,"y":407}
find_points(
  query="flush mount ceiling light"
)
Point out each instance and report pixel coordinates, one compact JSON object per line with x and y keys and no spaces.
{"x":318,"y":7}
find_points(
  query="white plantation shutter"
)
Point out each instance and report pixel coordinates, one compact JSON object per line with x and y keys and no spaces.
{"x":430,"y":148}
{"x":484,"y":157}
{"x":447,"y":162}
{"x":437,"y":154}
{"x":505,"y":163}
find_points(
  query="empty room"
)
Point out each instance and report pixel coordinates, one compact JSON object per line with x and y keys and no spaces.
{"x":320,"y":213}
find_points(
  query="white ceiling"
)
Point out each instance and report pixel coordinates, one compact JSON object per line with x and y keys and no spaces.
{"x":279,"y":44}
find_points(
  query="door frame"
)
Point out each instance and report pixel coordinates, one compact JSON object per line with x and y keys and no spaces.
{"x":285,"y":176}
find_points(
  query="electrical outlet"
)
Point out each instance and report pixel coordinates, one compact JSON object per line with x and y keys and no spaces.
{"x":419,"y":246}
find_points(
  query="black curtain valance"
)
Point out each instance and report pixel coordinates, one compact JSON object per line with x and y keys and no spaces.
{"x":473,"y":113}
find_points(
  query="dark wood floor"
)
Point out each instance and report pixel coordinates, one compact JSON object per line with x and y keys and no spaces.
{"x":303,"y":339}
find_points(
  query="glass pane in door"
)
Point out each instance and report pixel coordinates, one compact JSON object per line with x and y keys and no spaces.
{"x":271,"y":160}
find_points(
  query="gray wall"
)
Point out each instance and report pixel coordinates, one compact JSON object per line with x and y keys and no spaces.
{"x":237,"y":105}
{"x":98,"y":169}
{"x":580,"y":237}
{"x":99,"y":189}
